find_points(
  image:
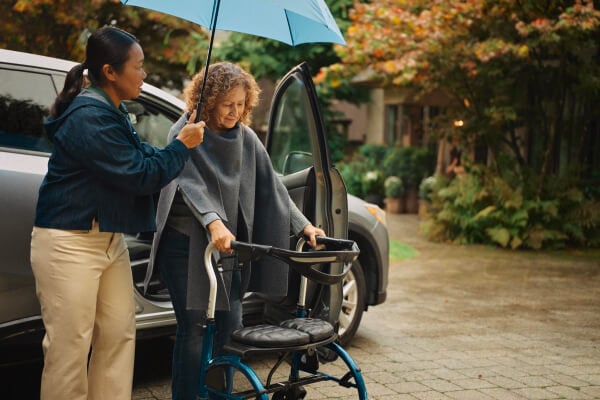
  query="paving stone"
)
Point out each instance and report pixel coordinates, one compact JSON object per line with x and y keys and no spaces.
{"x":591,"y":379}
{"x":593,"y":391}
{"x":469,"y":395}
{"x":440,"y":385}
{"x":408,"y":387}
{"x":537,"y":394}
{"x":447,"y":374}
{"x":567,"y":380}
{"x":504,"y":382}
{"x":431,"y":395}
{"x":501,"y":394}
{"x":568,"y":392}
{"x":535,"y":381}
{"x":473,"y":383}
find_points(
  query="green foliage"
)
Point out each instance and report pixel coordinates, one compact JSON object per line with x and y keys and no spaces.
{"x":372,"y":183}
{"x":481,"y":207}
{"x":429,"y":184}
{"x":522,"y":74}
{"x":411,"y":164}
{"x":374,"y":154}
{"x":365,"y":164}
{"x":352,"y":173}
{"x":337,"y":139}
{"x":393,"y":187}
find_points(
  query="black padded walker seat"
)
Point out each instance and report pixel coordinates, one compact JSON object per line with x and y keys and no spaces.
{"x":270,"y":336}
{"x":317,"y":329}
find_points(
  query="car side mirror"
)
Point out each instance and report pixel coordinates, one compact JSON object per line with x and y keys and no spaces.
{"x":297,"y":161}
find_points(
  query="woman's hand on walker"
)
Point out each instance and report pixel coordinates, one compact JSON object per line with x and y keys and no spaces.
{"x":221,"y":237}
{"x":311,"y":232}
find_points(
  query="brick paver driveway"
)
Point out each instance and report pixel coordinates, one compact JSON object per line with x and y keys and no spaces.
{"x":474,"y":323}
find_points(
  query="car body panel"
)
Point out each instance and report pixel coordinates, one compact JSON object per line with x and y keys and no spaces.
{"x":367,"y":227}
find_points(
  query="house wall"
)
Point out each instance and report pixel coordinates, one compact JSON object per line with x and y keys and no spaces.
{"x":355,"y":120}
{"x":365,"y":123}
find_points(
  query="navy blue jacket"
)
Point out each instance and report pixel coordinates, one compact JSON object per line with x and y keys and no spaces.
{"x":100,"y":169}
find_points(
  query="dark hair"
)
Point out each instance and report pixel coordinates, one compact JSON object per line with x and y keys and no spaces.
{"x":107,"y":45}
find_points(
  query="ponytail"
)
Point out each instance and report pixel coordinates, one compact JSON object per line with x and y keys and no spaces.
{"x":73,"y":85}
{"x":107,"y":45}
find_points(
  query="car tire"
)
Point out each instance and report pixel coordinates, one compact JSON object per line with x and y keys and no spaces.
{"x":353,"y":303}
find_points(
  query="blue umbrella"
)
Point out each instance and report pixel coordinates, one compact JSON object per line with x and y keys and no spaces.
{"x":288,"y":21}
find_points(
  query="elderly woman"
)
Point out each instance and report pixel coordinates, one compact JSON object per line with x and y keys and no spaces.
{"x":227,"y":191}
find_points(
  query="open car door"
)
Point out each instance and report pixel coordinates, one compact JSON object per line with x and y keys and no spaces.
{"x":297,"y":144}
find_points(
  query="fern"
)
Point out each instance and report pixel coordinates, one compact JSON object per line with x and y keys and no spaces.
{"x":481,"y":207}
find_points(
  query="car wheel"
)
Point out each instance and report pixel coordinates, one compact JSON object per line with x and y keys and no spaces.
{"x":353,"y":303}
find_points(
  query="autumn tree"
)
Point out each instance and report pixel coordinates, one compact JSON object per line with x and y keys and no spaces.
{"x":174,"y":48}
{"x":524,"y":76}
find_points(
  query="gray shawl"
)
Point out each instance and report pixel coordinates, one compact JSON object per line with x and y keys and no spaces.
{"x":231,"y":175}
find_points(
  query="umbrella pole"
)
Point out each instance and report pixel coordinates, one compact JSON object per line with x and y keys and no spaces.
{"x":210,"y":45}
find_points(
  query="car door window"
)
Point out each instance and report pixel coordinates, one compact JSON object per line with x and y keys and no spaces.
{"x":25,"y":100}
{"x":151,"y":121}
{"x":291,"y":147}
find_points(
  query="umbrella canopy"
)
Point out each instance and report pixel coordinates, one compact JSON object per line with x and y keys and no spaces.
{"x":289,"y":21}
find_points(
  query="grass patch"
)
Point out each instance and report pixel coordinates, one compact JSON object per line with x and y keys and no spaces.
{"x":401,"y":251}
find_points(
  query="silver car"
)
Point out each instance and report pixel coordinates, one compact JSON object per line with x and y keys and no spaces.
{"x":296,"y":143}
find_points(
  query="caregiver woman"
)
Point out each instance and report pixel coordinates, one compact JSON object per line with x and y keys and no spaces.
{"x":99,"y":185}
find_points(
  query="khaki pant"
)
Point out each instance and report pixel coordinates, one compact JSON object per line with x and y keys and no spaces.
{"x":84,"y":285}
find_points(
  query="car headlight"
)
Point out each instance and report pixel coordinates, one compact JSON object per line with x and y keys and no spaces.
{"x":377,"y":213}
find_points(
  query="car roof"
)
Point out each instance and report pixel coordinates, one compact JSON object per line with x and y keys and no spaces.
{"x":57,"y":64}
{"x":35,"y":60}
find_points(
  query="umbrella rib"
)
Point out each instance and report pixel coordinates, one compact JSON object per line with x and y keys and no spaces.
{"x":289,"y":27}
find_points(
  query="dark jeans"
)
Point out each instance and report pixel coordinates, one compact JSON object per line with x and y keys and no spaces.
{"x":172,"y":260}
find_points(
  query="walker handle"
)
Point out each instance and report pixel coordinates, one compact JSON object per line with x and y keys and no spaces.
{"x":305,"y":262}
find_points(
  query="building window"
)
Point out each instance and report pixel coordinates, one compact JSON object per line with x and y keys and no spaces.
{"x":392,"y":131}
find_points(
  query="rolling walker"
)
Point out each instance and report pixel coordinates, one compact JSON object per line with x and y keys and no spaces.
{"x":302,"y":342}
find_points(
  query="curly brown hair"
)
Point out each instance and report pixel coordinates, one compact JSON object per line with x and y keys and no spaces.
{"x":222,"y":77}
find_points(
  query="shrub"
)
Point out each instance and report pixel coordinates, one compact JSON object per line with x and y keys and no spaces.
{"x":481,"y":207}
{"x":352,"y":173}
{"x":374,"y":154}
{"x":393,"y":187}
{"x":372,"y":183}
{"x":427,"y":185}
{"x":411,"y":164}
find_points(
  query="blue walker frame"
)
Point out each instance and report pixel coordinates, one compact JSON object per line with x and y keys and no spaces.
{"x":303,"y":262}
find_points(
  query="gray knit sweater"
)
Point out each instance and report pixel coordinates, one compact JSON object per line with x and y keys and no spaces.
{"x":229,"y":177}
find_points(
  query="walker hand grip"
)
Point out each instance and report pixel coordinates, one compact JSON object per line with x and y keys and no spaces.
{"x":334,"y":243}
{"x":305,"y":262}
{"x":250,"y":251}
